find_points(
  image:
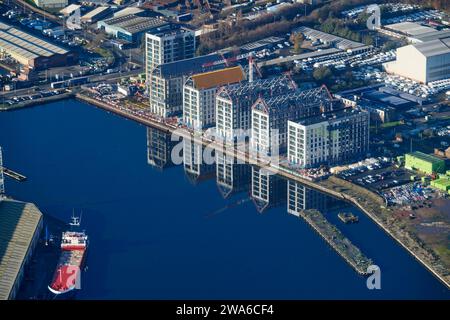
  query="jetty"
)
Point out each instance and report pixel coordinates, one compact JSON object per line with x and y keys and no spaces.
{"x":334,"y":237}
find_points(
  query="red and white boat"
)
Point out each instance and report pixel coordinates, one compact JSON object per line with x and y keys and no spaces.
{"x":73,"y":251}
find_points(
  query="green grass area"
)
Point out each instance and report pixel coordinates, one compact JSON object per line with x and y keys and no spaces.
{"x":391,"y":124}
{"x":444,"y":252}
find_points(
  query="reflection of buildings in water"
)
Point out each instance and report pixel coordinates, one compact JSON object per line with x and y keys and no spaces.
{"x":231,"y":177}
{"x":268,"y":190}
{"x":159,"y":148}
{"x":195,"y":164}
{"x":300,"y":197}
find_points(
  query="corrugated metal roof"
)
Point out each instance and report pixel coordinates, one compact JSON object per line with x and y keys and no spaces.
{"x":94,"y":12}
{"x":190,"y":66}
{"x":18,"y":224}
{"x":134,"y":24}
{"x":410,"y":28}
{"x":434,"y":48}
{"x":218,"y":78}
{"x":69,"y":9}
{"x":425,"y":157}
{"x":25,"y":45}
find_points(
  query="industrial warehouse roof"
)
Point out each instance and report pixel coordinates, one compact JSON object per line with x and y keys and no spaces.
{"x":261,"y":43}
{"x":435,"y":35}
{"x":128,"y":11}
{"x":425,"y":157}
{"x":18,"y":223}
{"x":218,"y":78}
{"x":26,"y":45}
{"x":434,"y":47}
{"x":69,"y":9}
{"x":94,"y":12}
{"x":135,"y":24}
{"x":410,"y":28}
{"x":190,"y":66}
{"x":338,"y":42}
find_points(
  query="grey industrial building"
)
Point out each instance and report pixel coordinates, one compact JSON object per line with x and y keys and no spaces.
{"x":131,"y":27}
{"x":20,"y":227}
{"x":31,"y":51}
{"x":431,"y":61}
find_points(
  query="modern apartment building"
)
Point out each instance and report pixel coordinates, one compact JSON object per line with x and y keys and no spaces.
{"x":166,"y":82}
{"x":199,"y":95}
{"x":167,"y":44}
{"x":330,"y":138}
{"x":234,"y":103}
{"x":270,"y":117}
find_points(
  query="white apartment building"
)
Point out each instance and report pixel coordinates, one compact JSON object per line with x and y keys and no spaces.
{"x":332,"y":138}
{"x":234,"y":103}
{"x":169,"y":44}
{"x":199,"y":95}
{"x":167,"y":80}
{"x":270,"y":117}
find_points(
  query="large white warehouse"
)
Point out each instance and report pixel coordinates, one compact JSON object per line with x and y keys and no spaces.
{"x":424,"y":62}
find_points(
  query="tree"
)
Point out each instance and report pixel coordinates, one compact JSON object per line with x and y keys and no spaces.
{"x":297,"y":39}
{"x":322,"y":74}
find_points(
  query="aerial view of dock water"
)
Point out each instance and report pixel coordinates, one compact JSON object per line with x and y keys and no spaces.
{"x":223,"y":151}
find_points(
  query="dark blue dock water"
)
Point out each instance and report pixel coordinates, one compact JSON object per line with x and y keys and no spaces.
{"x":156,"y":235}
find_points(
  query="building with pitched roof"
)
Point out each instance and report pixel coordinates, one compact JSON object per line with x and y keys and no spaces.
{"x":31,"y":51}
{"x":234,"y":103}
{"x":20,"y":227}
{"x":166,"y":82}
{"x":423,"y":62}
{"x":199,"y":95}
{"x":270,"y":117}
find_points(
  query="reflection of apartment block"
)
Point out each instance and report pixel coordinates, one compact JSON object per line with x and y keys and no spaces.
{"x":166,"y":82}
{"x":231,"y":177}
{"x":234,"y":103}
{"x":302,"y":198}
{"x":268,"y":190}
{"x":331,"y":138}
{"x":199,"y":95}
{"x":197,"y":167}
{"x":270,"y":117}
{"x":423,"y":62}
{"x":159,"y":148}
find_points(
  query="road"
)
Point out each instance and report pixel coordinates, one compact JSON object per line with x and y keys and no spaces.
{"x":93,"y":79}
